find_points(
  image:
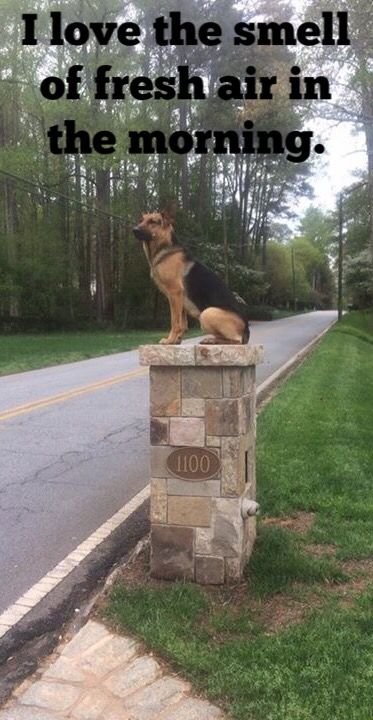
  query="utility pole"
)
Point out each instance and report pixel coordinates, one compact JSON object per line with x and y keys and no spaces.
{"x":225,"y":236}
{"x":293,"y":273}
{"x":342,"y":195}
{"x":340,"y":257}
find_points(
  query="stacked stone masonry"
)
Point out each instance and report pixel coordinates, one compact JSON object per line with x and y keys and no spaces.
{"x":202,"y":397}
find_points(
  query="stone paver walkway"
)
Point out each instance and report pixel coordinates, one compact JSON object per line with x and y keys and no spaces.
{"x":102,"y":676}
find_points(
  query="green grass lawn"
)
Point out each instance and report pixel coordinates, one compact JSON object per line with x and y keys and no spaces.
{"x":322,"y":459}
{"x":28,"y":352}
{"x":294,"y":641}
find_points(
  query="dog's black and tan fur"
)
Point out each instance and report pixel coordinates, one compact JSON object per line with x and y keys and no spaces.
{"x":190,"y":287}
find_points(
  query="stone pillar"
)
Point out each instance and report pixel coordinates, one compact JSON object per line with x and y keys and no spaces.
{"x":202,"y":433}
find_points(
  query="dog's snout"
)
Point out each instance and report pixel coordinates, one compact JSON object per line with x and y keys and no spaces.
{"x":141,"y":233}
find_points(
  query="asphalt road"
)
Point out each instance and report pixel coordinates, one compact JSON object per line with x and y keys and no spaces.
{"x":68,"y":463}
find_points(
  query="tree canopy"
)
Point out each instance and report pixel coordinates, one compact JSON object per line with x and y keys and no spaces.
{"x":67,"y":256}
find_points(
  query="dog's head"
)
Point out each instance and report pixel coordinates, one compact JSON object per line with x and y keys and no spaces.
{"x":155,"y":228}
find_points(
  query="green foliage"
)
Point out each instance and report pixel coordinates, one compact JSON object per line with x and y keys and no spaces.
{"x":318,"y":228}
{"x":67,"y":254}
{"x":359,"y":279}
{"x":300,"y":266}
{"x":279,"y":273}
{"x":356,"y":214}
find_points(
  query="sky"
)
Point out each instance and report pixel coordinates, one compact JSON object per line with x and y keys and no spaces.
{"x":336,"y":169}
{"x":345,"y":154}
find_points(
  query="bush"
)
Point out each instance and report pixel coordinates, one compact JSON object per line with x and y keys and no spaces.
{"x":359,"y":279}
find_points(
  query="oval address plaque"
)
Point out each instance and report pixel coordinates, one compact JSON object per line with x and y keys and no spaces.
{"x":193,"y":464}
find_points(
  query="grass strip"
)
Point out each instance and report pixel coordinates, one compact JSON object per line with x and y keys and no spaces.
{"x":315,"y":441}
{"x":22,"y":352}
{"x":30,"y":351}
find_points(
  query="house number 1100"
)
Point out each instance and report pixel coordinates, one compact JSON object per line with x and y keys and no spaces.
{"x":193,"y":463}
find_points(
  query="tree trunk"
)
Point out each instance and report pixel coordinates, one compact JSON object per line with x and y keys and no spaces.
{"x":104,"y":279}
{"x":79,"y":241}
{"x":183,"y":122}
{"x":369,"y":140}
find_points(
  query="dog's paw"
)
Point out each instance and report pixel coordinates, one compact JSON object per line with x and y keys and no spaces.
{"x":167,"y":341}
{"x":209,"y":341}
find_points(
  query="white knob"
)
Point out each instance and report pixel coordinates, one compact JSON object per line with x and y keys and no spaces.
{"x":249,"y":508}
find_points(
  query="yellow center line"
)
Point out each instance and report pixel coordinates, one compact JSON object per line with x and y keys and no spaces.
{"x":69,"y":394}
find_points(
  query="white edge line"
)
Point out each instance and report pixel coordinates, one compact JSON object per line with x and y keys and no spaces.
{"x":14,"y":613}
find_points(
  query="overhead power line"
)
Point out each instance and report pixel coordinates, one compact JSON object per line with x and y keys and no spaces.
{"x":57,"y":193}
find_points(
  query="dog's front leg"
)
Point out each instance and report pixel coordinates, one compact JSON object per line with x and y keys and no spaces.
{"x":177,"y":319}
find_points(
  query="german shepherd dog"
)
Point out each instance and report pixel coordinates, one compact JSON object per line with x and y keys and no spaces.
{"x":190,"y":287}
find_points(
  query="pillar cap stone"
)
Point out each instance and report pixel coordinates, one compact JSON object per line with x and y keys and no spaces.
{"x":201,"y":355}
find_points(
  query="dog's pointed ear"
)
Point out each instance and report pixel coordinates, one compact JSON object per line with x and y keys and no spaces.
{"x":169,"y":213}
{"x":166,"y":217}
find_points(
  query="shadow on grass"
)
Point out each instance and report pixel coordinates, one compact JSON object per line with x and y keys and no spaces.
{"x":354,"y":332}
{"x":279,"y":561}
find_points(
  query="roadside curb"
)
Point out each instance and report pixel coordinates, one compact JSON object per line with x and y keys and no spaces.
{"x":36,"y":635}
{"x":31,"y":599}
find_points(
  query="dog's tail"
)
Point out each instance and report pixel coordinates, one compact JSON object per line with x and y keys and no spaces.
{"x":246,"y":334}
{"x":243,"y":312}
